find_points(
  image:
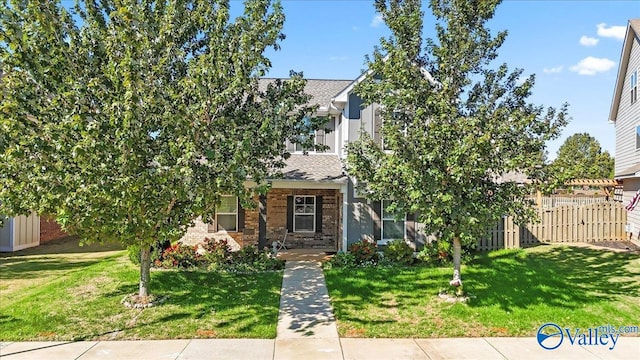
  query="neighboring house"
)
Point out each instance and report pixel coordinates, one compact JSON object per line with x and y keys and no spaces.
{"x":625,"y":115}
{"x":315,"y":202}
{"x":20,"y":232}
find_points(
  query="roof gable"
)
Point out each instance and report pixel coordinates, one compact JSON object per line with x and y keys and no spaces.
{"x":321,"y":91}
{"x":633,"y":34}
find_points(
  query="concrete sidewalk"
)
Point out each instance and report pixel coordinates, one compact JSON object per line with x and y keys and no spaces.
{"x":349,"y":348}
{"x":307,"y":329}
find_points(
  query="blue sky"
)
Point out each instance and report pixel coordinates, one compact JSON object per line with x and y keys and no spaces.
{"x":573,"y":47}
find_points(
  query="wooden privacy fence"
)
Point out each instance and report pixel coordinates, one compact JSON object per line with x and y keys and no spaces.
{"x":564,"y":224}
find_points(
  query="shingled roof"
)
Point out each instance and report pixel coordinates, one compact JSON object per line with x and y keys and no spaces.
{"x":314,"y":167}
{"x":321,"y":91}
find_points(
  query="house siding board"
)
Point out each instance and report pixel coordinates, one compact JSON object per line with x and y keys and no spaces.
{"x":628,"y":117}
{"x":330,"y":136}
{"x":359,"y":220}
{"x":20,"y":232}
{"x":633,"y":217}
{"x":6,"y":235}
{"x":355,"y":128}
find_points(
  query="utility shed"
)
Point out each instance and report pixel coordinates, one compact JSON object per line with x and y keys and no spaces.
{"x":20,"y":232}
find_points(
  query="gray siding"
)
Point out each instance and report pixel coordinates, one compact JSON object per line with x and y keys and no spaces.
{"x":628,"y":118}
{"x":359,"y":222}
{"x":6,"y":235}
{"x":330,"y":135}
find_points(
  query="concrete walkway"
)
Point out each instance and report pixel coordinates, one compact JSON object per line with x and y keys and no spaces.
{"x":307,"y":329}
{"x":305,"y":322}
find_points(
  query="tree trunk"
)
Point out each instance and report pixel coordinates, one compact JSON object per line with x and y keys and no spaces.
{"x":457,"y":249}
{"x":145,"y":271}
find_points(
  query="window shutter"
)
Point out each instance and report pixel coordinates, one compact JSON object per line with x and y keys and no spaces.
{"x":376,"y":206}
{"x":411,"y":226}
{"x":240,"y":217}
{"x":318,"y":214}
{"x":290,"y":213}
{"x":355,"y":103}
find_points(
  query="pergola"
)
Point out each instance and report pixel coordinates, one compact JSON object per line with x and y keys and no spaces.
{"x":593,"y":182}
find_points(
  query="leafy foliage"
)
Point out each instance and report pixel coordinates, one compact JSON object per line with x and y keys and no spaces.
{"x":129,"y":119}
{"x":181,"y":256}
{"x":581,"y":157}
{"x":398,"y":251}
{"x":364,"y":252}
{"x":157,"y":250}
{"x":451,"y":121}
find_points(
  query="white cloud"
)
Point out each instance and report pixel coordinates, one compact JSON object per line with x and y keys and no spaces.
{"x":616,"y":32}
{"x":376,"y":21}
{"x":553,"y":70}
{"x":591,"y":66}
{"x":355,"y":28}
{"x":588,"y":41}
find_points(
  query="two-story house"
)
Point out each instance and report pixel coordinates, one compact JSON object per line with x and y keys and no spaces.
{"x":625,"y":115}
{"x":315,"y":202}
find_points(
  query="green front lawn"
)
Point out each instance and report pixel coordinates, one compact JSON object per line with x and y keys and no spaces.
{"x":513,"y":292}
{"x":51,"y":294}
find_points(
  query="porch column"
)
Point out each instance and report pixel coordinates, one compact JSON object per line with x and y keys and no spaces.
{"x":344,"y":190}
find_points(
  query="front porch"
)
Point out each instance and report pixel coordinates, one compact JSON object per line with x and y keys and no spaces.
{"x":318,"y":255}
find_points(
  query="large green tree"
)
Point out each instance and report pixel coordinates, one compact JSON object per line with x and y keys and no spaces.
{"x":130,"y":118}
{"x":451,"y":121}
{"x":581,"y":157}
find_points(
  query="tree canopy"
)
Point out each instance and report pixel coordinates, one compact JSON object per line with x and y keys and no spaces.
{"x":129,"y":119}
{"x":581,"y":157}
{"x":452,"y":122}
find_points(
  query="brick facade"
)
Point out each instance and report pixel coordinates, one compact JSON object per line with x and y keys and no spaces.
{"x":50,"y":230}
{"x":276,"y":223}
{"x":247,"y":234}
{"x":277,"y":219}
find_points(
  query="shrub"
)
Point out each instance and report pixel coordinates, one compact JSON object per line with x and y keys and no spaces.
{"x":398,"y":251}
{"x":180,"y":256}
{"x":217,"y":253}
{"x":364,"y":252}
{"x":341,"y":260}
{"x":249,"y":259}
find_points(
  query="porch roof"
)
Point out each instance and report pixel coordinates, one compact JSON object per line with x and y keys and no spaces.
{"x":314,"y":167}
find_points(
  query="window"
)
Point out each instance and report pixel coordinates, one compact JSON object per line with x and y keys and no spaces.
{"x":392,"y":229}
{"x":304,"y":213}
{"x":633,"y":82}
{"x":319,"y":136}
{"x":227,"y":214}
{"x":638,"y":137}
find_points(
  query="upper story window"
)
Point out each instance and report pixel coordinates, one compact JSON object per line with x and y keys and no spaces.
{"x":638,"y":137}
{"x":320,"y":137}
{"x":633,"y":82}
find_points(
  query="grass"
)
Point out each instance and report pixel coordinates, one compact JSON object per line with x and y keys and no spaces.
{"x":64,"y":292}
{"x":513,"y":292}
